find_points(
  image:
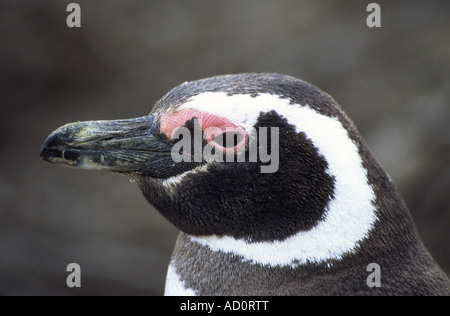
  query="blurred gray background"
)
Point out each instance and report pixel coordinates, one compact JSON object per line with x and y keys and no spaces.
{"x":394,"y":82}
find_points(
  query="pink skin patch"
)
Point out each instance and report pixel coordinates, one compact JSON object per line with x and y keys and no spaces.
{"x":212,"y":126}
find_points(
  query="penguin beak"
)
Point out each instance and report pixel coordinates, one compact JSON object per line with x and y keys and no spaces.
{"x":122,"y":146}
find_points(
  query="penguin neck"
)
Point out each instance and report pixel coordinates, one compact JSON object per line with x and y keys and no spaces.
{"x":195,"y":269}
{"x":348,"y":220}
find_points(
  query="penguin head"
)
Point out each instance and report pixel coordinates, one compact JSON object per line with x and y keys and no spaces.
{"x":253,"y":161}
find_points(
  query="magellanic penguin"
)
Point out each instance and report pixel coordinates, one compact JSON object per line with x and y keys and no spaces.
{"x":303,"y":209}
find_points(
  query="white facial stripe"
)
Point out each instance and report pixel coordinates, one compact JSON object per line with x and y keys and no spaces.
{"x":172,"y":182}
{"x":174,"y":286}
{"x":350,"y":215}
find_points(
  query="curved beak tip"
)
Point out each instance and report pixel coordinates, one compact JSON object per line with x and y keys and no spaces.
{"x":122,"y":146}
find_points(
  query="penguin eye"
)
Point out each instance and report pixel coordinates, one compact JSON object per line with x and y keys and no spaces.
{"x":218,"y":132}
{"x":228,"y":140}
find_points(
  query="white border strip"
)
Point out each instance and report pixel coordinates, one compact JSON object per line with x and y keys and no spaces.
{"x":350,"y":215}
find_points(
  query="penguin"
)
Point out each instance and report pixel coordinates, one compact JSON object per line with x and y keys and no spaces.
{"x":276,"y":195}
